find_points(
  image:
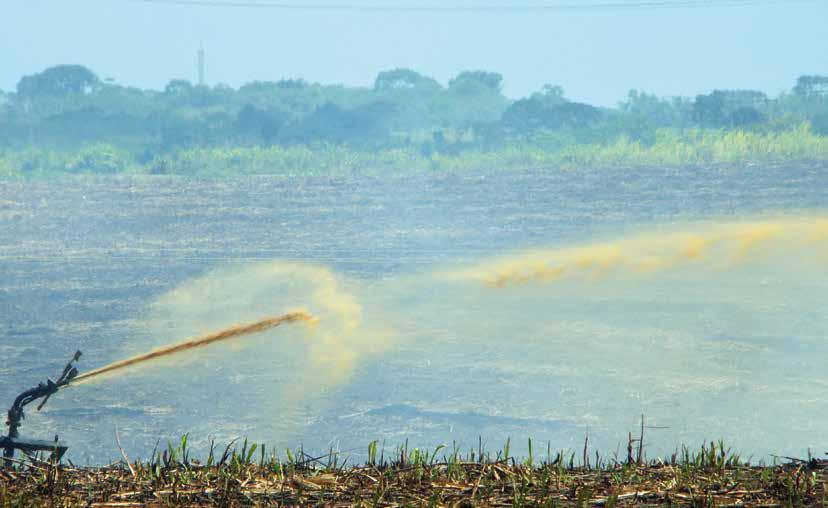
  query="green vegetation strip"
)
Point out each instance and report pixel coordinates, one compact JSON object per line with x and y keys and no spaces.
{"x":250,"y":475}
{"x":671,"y":148}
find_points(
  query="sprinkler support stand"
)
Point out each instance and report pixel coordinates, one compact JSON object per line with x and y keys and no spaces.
{"x":12,"y":441}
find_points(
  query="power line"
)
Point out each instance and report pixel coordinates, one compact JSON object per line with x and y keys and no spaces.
{"x":607,"y":6}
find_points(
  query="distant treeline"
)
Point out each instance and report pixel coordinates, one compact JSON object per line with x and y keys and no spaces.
{"x":68,"y":107}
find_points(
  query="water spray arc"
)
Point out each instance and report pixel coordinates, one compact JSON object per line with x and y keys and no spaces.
{"x":198,"y":342}
{"x":69,"y":377}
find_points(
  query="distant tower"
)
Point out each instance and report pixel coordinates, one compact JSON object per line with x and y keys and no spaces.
{"x":201,"y":66}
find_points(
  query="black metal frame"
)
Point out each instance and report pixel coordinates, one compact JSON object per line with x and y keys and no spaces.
{"x":12,"y":441}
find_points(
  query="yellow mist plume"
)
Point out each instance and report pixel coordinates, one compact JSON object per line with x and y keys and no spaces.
{"x":323,"y":356}
{"x":714,"y":245}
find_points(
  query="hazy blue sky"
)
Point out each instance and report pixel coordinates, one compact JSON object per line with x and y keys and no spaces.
{"x":596,"y":55}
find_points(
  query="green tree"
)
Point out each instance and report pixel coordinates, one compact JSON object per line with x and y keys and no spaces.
{"x":331,"y":123}
{"x":651,"y":109}
{"x":819,"y":123}
{"x":178,"y":87}
{"x":405,"y":79}
{"x":709,"y":109}
{"x":733,"y":108}
{"x":810,"y":86}
{"x":265,"y":124}
{"x":548,"y":110}
{"x":476,"y":82}
{"x":745,"y":116}
{"x":190,"y":126}
{"x":59,"y":80}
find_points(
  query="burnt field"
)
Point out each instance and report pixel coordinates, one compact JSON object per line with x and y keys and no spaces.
{"x":85,"y":262}
{"x":249,"y":476}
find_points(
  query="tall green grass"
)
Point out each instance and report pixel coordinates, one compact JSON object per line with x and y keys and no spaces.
{"x":672,"y":148}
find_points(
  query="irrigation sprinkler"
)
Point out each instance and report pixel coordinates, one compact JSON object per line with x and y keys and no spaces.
{"x":13,"y":441}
